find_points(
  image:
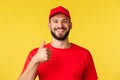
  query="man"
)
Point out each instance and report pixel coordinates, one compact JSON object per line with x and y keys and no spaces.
{"x":59,"y":59}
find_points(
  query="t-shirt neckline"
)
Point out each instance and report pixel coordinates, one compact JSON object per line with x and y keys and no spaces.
{"x":61,"y":48}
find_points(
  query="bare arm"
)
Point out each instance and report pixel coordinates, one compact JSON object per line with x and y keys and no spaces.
{"x":42,"y":55}
{"x":29,"y":73}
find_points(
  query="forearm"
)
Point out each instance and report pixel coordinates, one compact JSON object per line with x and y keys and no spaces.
{"x":29,"y":73}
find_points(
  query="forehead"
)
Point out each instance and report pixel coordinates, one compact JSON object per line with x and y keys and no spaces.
{"x":59,"y":16}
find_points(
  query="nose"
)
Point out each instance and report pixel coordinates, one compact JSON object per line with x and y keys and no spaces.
{"x":60,"y":24}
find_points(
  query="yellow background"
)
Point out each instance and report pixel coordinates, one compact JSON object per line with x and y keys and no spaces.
{"x":96,"y":26}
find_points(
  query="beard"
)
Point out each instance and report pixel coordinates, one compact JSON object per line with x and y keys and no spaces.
{"x":61,"y":37}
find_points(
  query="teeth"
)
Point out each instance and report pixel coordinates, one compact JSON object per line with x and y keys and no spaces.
{"x":60,"y":30}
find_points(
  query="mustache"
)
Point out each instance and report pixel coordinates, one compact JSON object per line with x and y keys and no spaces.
{"x":63,"y":28}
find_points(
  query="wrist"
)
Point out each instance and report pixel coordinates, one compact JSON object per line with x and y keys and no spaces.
{"x":34,"y":61}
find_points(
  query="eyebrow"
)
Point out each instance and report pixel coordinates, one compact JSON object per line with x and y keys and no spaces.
{"x":65,"y":19}
{"x":57,"y":19}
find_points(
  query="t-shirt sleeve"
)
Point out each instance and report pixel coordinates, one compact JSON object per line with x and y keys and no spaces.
{"x":90,"y":71}
{"x":28,"y":59}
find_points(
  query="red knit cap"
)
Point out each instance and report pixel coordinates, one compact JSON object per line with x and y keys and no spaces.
{"x":57,"y":10}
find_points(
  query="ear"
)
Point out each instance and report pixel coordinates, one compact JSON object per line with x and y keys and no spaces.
{"x":70,"y":25}
{"x":49,"y":25}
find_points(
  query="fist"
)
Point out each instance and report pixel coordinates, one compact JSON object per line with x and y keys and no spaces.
{"x":43,"y":54}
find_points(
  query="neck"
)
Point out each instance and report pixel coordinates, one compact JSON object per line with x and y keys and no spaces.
{"x":60,"y":44}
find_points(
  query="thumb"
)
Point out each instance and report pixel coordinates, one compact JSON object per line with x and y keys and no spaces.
{"x":42,"y":44}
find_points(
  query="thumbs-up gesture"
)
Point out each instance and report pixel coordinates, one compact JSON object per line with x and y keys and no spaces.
{"x":43,"y":54}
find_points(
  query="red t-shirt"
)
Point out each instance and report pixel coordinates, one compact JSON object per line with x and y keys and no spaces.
{"x":74,"y":63}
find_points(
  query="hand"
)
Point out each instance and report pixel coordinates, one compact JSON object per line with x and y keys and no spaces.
{"x":43,"y":54}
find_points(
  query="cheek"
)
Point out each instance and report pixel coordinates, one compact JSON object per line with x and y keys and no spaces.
{"x":51,"y":28}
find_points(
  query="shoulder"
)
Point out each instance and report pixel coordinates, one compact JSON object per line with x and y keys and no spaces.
{"x":80,"y":48}
{"x":32,"y":52}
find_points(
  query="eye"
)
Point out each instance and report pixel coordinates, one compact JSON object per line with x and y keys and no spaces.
{"x":65,"y":21}
{"x":55,"y":21}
